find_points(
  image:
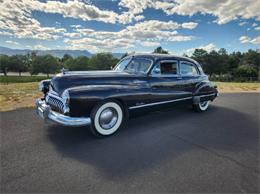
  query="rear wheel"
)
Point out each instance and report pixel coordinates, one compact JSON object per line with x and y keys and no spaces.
{"x":201,"y":107}
{"x":107,"y":118}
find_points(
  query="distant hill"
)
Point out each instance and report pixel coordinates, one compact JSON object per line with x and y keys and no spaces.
{"x":54,"y":52}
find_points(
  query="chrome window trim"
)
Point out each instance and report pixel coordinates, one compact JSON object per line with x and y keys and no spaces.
{"x":125,"y":58}
{"x":166,"y":75}
{"x":131,"y":57}
{"x":191,"y":63}
{"x":151,"y":64}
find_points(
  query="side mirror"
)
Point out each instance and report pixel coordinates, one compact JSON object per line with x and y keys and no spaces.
{"x":157,"y":70}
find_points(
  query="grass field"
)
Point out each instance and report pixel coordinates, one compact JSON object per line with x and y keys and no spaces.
{"x":21,"y":79}
{"x":20,"y":95}
{"x":230,"y":87}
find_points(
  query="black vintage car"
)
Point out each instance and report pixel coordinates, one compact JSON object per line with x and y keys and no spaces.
{"x":104,"y":99}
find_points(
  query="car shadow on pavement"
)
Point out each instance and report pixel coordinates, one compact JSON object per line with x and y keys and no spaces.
{"x":155,"y":138}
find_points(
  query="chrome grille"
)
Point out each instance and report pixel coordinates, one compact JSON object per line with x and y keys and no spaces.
{"x":55,"y":102}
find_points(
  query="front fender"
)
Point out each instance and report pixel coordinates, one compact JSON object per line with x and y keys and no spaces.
{"x":44,"y":85}
{"x":84,"y":98}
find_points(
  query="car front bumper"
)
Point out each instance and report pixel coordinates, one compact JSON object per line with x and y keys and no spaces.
{"x":45,"y":112}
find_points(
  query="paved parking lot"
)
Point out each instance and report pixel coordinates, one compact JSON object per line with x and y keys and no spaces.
{"x":174,"y":151}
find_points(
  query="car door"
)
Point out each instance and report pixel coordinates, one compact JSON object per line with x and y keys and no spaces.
{"x":166,"y":82}
{"x":190,"y":75}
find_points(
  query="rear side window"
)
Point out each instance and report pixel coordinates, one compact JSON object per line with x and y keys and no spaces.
{"x":166,"y":68}
{"x":169,"y":68}
{"x":188,"y":69}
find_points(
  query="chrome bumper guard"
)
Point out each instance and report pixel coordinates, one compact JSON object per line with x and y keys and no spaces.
{"x":45,"y":112}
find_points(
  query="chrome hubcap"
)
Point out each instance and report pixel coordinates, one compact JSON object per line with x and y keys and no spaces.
{"x":203,"y":104}
{"x":108,"y":118}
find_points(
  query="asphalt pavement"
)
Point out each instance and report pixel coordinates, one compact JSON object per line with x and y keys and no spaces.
{"x":171,"y":151}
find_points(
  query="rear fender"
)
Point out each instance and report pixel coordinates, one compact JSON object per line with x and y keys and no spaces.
{"x":205,"y":91}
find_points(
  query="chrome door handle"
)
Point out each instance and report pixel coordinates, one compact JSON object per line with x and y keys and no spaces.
{"x":139,"y":82}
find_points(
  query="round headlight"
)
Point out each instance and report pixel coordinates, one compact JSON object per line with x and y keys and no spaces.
{"x":66,"y":96}
{"x":41,"y":86}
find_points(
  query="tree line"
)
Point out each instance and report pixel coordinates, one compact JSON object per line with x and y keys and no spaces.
{"x":48,"y":64}
{"x":222,"y":66}
{"x":236,"y":66}
{"x":219,"y":65}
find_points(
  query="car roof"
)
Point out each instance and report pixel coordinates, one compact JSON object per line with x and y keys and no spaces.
{"x":156,"y":57}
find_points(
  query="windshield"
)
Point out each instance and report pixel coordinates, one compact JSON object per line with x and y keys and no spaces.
{"x":134,"y":65}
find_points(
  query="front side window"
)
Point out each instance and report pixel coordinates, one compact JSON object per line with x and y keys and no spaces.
{"x":188,"y":69}
{"x":165,"y":68}
{"x":134,"y":65}
{"x":122,"y":64}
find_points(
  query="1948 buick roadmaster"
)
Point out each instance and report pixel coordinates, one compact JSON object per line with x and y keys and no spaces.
{"x":104,"y":99}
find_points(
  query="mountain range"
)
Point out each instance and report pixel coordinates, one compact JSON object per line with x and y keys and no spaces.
{"x":54,"y":52}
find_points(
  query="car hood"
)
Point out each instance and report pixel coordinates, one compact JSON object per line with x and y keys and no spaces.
{"x":67,"y":80}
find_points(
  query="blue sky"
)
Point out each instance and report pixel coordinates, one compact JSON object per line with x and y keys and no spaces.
{"x":179,"y":26}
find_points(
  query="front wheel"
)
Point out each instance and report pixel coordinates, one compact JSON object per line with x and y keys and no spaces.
{"x":106,"y":118}
{"x":201,"y":107}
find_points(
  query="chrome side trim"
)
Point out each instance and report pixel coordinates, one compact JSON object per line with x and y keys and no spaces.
{"x":206,"y":95}
{"x":45,"y":112}
{"x":158,"y":103}
{"x":169,"y":101}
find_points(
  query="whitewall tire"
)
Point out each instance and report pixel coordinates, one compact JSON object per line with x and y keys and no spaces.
{"x":107,"y":118}
{"x":201,"y":107}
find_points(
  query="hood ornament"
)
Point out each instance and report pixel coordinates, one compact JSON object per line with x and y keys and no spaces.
{"x":63,"y":70}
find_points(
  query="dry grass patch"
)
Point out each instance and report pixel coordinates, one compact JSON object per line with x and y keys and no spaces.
{"x":18,"y":95}
{"x":224,"y":87}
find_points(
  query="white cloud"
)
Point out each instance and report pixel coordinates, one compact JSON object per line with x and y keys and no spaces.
{"x":72,"y":35}
{"x":224,"y":10}
{"x":15,"y":18}
{"x":242,"y":23}
{"x":147,"y":33}
{"x":152,"y":25}
{"x":246,"y":40}
{"x":39,"y":47}
{"x":149,"y":44}
{"x":95,"y":45}
{"x":255,"y":41}
{"x":76,"y":26}
{"x":12,"y":42}
{"x":5,"y":33}
{"x":257,"y":28}
{"x":254,"y":24}
{"x":190,"y":25}
{"x":78,"y":9}
{"x":180,"y":38}
{"x":73,"y":9}
{"x":209,"y":47}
